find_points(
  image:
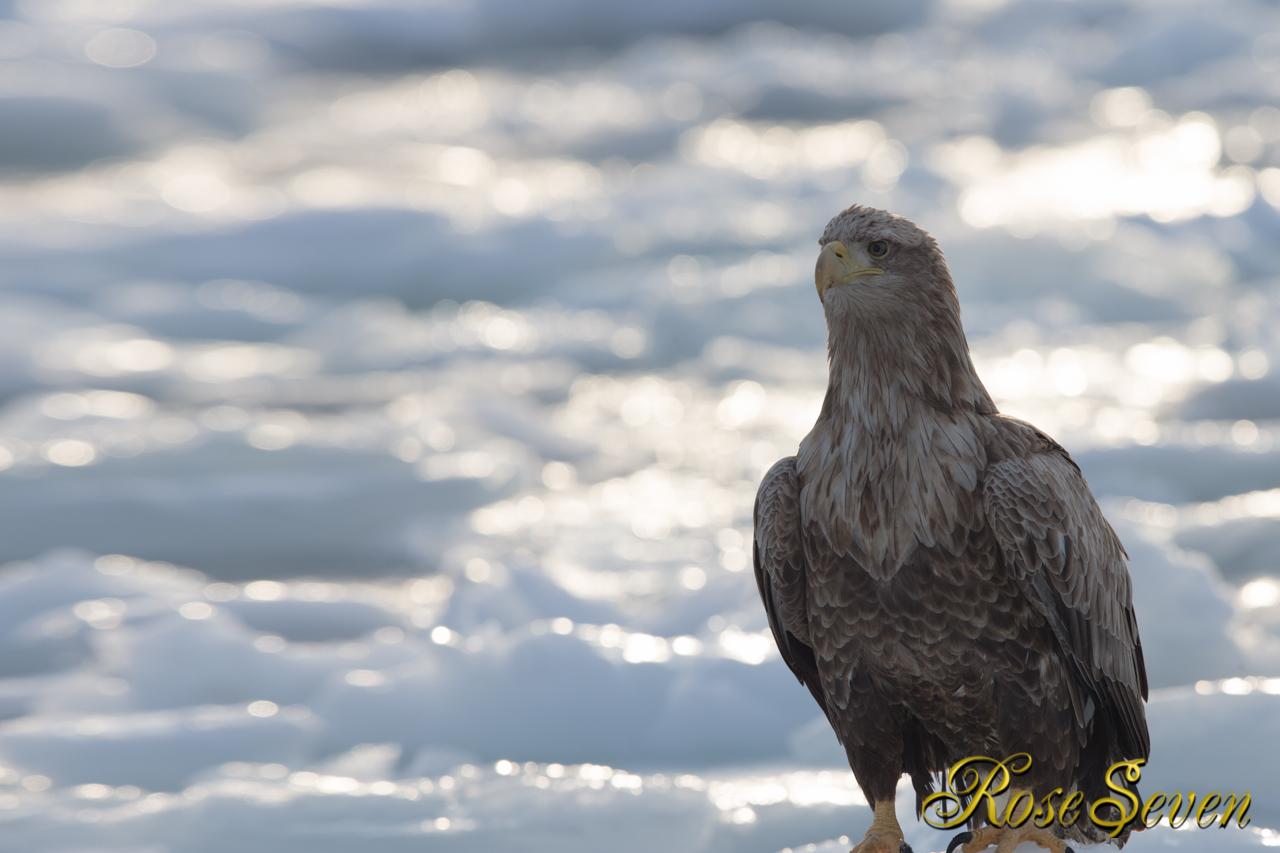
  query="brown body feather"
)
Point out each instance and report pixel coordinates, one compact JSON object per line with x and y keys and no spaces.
{"x":939,"y":575}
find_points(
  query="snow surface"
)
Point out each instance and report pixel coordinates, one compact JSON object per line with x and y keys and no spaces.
{"x":386,"y":385}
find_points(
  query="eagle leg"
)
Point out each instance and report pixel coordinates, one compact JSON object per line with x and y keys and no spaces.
{"x":1006,"y":839}
{"x":884,"y":835}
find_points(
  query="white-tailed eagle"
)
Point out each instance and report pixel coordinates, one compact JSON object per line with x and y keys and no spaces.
{"x":936,"y":573}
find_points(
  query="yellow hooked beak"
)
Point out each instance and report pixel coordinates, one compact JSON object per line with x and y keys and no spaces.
{"x":837,"y":265}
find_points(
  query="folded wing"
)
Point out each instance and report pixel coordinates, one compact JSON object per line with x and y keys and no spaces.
{"x":780,"y":572}
{"x":1071,"y":565}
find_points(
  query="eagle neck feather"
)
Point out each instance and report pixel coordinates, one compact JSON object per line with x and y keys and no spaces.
{"x":895,"y":458}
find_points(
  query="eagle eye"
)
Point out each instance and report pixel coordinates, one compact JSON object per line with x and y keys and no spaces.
{"x":878,"y":249}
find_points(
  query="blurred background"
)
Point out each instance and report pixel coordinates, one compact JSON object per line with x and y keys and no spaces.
{"x":384,"y":387}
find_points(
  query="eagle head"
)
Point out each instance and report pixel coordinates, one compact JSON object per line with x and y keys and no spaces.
{"x":879,"y":266}
{"x":893,"y":317}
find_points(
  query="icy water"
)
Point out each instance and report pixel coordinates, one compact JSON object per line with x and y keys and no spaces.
{"x":386,"y":386}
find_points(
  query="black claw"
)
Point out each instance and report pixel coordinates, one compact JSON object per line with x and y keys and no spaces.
{"x":1069,"y":850}
{"x":962,"y":838}
{"x":904,"y":847}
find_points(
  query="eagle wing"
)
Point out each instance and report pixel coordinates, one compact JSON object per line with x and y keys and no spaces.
{"x":1071,"y":565}
{"x":781,"y":572}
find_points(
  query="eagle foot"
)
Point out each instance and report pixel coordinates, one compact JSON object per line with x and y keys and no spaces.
{"x":884,"y":835}
{"x":882,"y":843}
{"x":1006,"y":839}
